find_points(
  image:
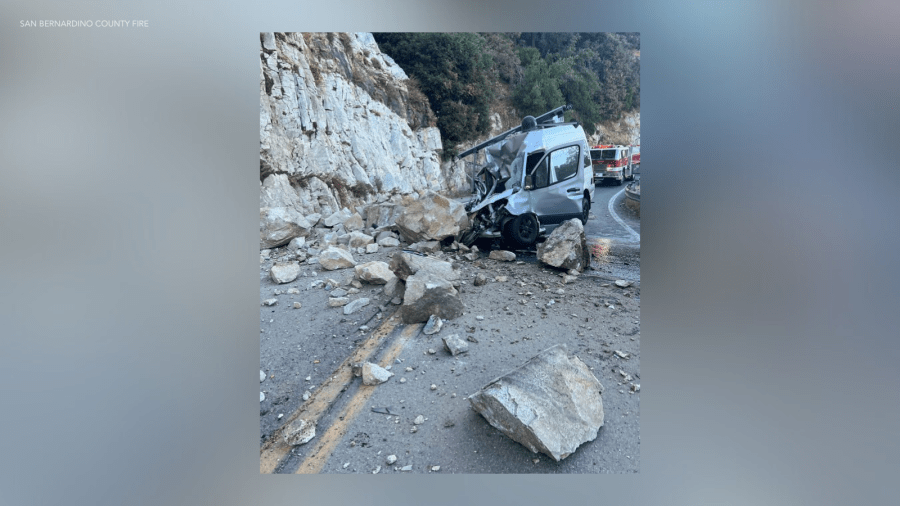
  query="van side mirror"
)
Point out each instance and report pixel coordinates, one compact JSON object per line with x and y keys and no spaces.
{"x":529,"y":184}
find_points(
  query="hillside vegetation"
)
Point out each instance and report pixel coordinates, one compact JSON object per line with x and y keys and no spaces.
{"x":467,"y":76}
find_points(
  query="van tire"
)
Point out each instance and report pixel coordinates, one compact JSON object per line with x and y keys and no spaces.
{"x":585,"y":209}
{"x":521,"y":231}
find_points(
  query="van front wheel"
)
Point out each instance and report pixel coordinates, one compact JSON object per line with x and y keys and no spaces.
{"x":522,"y":230}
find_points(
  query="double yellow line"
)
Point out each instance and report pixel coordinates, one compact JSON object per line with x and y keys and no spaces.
{"x":274,"y":450}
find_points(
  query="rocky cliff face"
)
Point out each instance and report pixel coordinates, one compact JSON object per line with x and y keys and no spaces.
{"x":625,"y":131}
{"x":340,"y":127}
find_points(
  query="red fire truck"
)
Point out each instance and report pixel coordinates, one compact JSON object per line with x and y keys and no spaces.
{"x":614,"y":162}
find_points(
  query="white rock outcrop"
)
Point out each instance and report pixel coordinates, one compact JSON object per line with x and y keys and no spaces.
{"x":340,"y":128}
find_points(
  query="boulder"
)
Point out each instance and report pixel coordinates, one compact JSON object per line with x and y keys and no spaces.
{"x":406,"y":264}
{"x":394,"y":288}
{"x":374,"y":374}
{"x":502,"y":255}
{"x":566,"y":248}
{"x":336,"y":258}
{"x":427,"y":294}
{"x":284,"y":273}
{"x":376,"y":273}
{"x":278,"y":225}
{"x":382,"y":215}
{"x":336,"y":218}
{"x":371,"y":248}
{"x":297,"y":243}
{"x":552,"y":404}
{"x":354,"y":222}
{"x":432,"y":218}
{"x":384,"y":234}
{"x":359,"y":240}
{"x":388,"y":242}
{"x":426,"y":246}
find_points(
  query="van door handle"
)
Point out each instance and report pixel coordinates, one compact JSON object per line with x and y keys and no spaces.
{"x":573,"y":190}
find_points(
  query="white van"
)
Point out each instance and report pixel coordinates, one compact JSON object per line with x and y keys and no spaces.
{"x":537,"y":176}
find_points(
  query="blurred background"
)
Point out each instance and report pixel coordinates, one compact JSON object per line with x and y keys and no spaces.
{"x":128,"y":245}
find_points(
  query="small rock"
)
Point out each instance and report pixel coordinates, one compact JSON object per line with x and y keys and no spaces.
{"x":262,"y":397}
{"x":433,"y":326}
{"x":306,"y":396}
{"x":431,"y":351}
{"x":621,"y":283}
{"x":262,"y":376}
{"x":338,"y":301}
{"x":372,"y":248}
{"x":293,"y":291}
{"x":377,"y":469}
{"x":338,"y":292}
{"x":621,"y":354}
{"x":455,"y":345}
{"x":435,"y":468}
{"x":297,"y":305}
{"x":406,"y":468}
{"x":374,"y":374}
{"x":480,"y":280}
{"x":391,"y":459}
{"x":297,"y":243}
{"x":433,"y":386}
{"x":479,"y":318}
{"x":413,"y":429}
{"x":500,"y":279}
{"x":419,"y":420}
{"x":356,"y":305}
{"x":299,"y":432}
{"x":356,"y":283}
{"x":402,"y":380}
{"x":502,"y":255}
{"x":346,"y":465}
{"x":569,"y":278}
{"x":270,"y":302}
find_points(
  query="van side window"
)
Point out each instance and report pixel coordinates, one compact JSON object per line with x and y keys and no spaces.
{"x":564,"y":163}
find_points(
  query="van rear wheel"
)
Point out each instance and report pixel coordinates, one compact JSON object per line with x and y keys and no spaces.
{"x":521,"y":231}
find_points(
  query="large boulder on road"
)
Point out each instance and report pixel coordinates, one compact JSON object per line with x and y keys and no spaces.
{"x":566,"y":248}
{"x":278,"y":225}
{"x":552,"y":404}
{"x":376,"y":273}
{"x":336,"y":258}
{"x":427,"y":294}
{"x":284,"y":272}
{"x":405,"y":264}
{"x":432,"y":218}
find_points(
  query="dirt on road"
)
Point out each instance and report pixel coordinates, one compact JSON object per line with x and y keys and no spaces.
{"x":524,"y":308}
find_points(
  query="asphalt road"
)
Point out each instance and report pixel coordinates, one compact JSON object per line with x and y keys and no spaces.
{"x":358,"y":427}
